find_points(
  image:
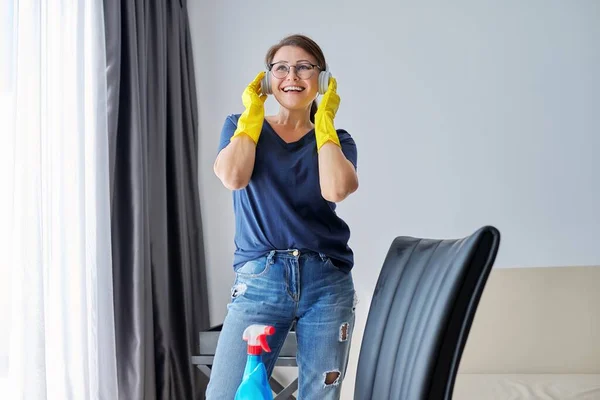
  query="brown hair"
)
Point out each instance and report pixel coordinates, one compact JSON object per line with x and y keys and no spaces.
{"x":308,"y":45}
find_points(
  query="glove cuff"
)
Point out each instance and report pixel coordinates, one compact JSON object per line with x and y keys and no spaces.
{"x":325,"y":132}
{"x":250,"y":123}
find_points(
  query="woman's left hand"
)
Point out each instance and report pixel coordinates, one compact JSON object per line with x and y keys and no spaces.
{"x":331,"y":100}
{"x":328,"y":107}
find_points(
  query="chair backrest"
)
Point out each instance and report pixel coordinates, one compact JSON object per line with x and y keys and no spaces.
{"x":420,"y":316}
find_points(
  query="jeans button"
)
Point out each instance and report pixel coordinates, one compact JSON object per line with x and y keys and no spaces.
{"x":295,"y":253}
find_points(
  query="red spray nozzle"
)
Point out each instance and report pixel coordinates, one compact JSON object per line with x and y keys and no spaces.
{"x":256,"y":336}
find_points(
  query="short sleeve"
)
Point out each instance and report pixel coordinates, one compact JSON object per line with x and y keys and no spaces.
{"x":228,"y":130}
{"x":348,"y":147}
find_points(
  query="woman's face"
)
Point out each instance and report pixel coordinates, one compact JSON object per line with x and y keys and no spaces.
{"x":294,"y":78}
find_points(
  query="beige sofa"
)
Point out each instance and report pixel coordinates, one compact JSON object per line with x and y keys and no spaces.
{"x":536,"y":335}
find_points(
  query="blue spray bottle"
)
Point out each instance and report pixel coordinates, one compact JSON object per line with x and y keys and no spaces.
{"x":255,"y":383}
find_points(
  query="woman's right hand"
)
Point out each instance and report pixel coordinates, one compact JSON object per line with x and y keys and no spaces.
{"x":235,"y":163}
{"x":251,"y":120}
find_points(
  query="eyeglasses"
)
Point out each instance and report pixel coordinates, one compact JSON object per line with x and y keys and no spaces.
{"x":304,"y":70}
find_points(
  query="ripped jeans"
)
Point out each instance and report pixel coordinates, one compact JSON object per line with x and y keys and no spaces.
{"x":278,"y":289}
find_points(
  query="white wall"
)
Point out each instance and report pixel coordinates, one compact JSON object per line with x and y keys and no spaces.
{"x":6,"y":177}
{"x":485,"y":113}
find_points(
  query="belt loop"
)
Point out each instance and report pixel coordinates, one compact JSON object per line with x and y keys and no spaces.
{"x":323,"y":256}
{"x":270,"y":256}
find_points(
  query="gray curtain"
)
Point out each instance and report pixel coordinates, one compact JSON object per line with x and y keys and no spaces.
{"x":158,"y":261}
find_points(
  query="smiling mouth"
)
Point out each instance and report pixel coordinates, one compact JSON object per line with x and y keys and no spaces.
{"x":293,"y":89}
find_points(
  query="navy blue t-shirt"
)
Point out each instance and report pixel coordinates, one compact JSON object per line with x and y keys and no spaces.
{"x":282,"y":207}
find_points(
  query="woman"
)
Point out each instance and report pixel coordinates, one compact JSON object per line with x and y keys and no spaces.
{"x":292,"y":259}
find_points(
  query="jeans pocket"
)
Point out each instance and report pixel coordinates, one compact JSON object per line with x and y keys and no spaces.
{"x":254,"y":268}
{"x":328,"y":263}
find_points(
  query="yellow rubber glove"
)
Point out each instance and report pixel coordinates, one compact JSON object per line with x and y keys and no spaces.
{"x":251,"y":120}
{"x":324,"y":128}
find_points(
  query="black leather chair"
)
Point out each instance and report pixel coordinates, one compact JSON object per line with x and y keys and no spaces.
{"x":420,"y":316}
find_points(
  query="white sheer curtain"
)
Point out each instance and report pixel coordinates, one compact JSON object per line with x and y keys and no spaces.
{"x":61,"y":325}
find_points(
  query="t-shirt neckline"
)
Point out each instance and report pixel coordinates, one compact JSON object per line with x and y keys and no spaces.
{"x":298,"y":143}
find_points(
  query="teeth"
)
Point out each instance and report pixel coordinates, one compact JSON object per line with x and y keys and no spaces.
{"x":294,"y":88}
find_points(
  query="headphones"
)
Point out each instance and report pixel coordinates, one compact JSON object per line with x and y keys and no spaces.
{"x":265,"y":83}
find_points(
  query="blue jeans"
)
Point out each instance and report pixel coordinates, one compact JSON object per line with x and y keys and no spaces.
{"x":278,"y":289}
